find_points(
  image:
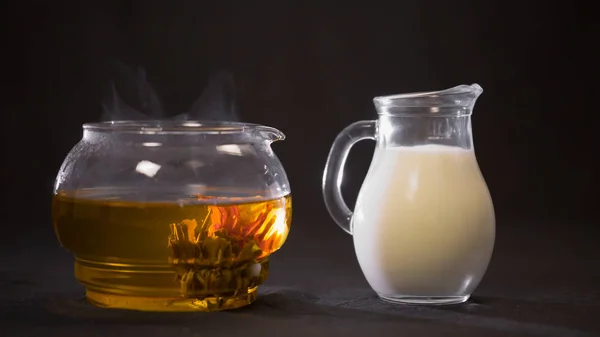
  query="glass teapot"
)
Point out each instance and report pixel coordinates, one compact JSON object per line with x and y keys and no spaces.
{"x":172,"y":215}
{"x":424,"y":224}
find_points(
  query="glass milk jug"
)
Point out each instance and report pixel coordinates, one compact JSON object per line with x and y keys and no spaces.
{"x":424,"y":224}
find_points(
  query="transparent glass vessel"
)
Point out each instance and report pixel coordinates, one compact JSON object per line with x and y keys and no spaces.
{"x":424,"y":224}
{"x":172,"y":215}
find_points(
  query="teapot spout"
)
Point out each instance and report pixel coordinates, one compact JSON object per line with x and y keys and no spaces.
{"x":270,"y":134}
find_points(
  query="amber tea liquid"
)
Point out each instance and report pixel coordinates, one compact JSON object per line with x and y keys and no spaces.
{"x":197,"y":254}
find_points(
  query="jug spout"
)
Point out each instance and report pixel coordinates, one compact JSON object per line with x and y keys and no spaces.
{"x":456,"y":101}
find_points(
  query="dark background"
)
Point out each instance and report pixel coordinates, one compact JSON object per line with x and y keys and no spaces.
{"x":311,"y":68}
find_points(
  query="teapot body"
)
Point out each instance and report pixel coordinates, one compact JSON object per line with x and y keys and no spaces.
{"x":172,"y":216}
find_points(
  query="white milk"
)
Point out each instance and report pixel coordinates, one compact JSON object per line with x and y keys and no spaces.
{"x":424,"y":222}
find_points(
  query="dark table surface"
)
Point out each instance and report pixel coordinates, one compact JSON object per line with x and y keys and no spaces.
{"x":543,"y":280}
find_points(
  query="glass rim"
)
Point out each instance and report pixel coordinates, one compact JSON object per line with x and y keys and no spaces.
{"x":153,"y":126}
{"x":458,"y":96}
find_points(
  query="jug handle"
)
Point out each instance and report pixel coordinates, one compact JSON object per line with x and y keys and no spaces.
{"x":334,"y":170}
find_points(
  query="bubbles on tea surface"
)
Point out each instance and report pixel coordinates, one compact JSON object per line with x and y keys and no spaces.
{"x":132,"y":97}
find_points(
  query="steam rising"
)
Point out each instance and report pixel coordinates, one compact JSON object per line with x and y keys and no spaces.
{"x":217,"y":102}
